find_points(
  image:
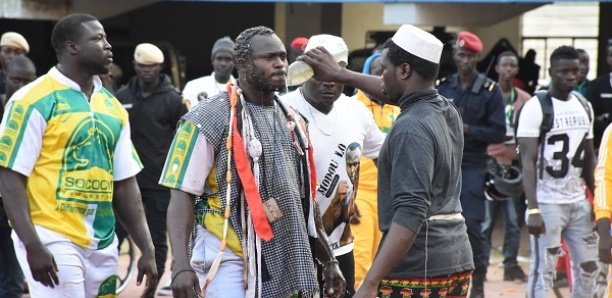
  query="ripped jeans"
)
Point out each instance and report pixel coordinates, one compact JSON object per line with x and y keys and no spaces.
{"x":573,"y":223}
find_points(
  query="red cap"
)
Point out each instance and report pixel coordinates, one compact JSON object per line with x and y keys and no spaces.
{"x":299,"y":43}
{"x":469,"y":42}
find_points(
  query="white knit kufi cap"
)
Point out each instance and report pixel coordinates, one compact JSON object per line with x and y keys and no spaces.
{"x":14,"y":40}
{"x":333,"y":44}
{"x":146,"y":53}
{"x":418,"y":42}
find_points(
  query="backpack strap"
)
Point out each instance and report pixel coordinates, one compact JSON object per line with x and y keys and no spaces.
{"x":548,"y":116}
{"x":585,"y":103}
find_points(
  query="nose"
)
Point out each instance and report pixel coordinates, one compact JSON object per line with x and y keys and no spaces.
{"x":279,"y":62}
{"x":10,"y":55}
{"x":329,"y":84}
{"x":107,"y":45}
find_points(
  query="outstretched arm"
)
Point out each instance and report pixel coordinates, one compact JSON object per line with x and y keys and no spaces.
{"x":128,"y":207}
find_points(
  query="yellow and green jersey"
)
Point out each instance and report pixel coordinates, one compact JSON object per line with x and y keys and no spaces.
{"x":71,"y":150}
{"x":190,"y":167}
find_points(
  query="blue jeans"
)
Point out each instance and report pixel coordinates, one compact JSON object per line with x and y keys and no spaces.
{"x":572,"y":222}
{"x":11,"y":277}
{"x":512,"y":230}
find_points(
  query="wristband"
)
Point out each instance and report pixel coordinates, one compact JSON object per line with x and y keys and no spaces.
{"x":534,"y":211}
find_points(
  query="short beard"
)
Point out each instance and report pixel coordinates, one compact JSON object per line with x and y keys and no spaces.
{"x":259,"y":82}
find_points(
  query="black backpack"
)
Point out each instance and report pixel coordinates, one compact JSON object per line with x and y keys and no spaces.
{"x":548,"y":118}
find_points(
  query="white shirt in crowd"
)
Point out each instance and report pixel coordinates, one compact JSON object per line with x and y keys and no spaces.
{"x":561,"y":182}
{"x":205,"y":87}
{"x":338,"y":138}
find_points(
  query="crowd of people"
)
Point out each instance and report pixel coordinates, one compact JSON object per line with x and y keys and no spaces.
{"x":268,"y":190}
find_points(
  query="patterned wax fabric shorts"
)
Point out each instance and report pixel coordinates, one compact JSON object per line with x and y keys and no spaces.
{"x":452,"y":286}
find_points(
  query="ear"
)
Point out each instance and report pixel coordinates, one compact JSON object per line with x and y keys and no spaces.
{"x":71,"y":47}
{"x":404,"y":71}
{"x":241,"y":63}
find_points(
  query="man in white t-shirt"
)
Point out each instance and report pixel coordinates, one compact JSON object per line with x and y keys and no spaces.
{"x":222,"y":59}
{"x":341,"y":129}
{"x":556,"y":169}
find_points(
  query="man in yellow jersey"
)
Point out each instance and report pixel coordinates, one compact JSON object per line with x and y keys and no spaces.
{"x":67,"y":166}
{"x":365,"y":223}
{"x":603,"y":201}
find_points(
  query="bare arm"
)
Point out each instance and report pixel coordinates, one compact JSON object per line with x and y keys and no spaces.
{"x":12,"y":187}
{"x":17,"y":206}
{"x":127,"y":204}
{"x":180,"y":223}
{"x":334,"y":282}
{"x":398,"y":242}
{"x":180,"y":220}
{"x":605,"y":240}
{"x":529,"y":155}
{"x":326,"y":69}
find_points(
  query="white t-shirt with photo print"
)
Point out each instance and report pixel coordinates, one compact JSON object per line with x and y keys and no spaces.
{"x":339,"y":138}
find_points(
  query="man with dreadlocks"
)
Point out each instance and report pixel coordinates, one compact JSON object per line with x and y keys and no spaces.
{"x":247,"y":157}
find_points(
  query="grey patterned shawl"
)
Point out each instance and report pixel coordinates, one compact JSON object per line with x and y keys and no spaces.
{"x":288,"y":266}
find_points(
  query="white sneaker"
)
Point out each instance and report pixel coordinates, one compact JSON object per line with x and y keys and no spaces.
{"x":166,"y":290}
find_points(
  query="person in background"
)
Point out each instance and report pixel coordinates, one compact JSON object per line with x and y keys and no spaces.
{"x":12,"y":44}
{"x":481,"y":105}
{"x":558,"y":169}
{"x":505,"y":155}
{"x":599,"y":94}
{"x":154,"y":109}
{"x":222,"y":59}
{"x":341,"y":130}
{"x":20,"y":72}
{"x":583,"y":72}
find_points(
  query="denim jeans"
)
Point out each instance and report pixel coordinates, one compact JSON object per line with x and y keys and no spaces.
{"x":511,"y":227}
{"x":572,"y":222}
{"x":11,"y":277}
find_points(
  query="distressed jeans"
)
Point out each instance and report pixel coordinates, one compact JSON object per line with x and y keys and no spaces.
{"x":572,"y":222}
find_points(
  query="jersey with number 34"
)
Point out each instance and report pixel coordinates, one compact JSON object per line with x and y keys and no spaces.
{"x":561,"y":181}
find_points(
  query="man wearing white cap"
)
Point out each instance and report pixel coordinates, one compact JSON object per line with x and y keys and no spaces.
{"x":425,"y":250}
{"x":154,"y":108}
{"x":223,"y":65}
{"x":341,"y":129}
{"x":11,"y":44}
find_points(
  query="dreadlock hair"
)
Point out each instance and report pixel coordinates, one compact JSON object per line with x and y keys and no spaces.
{"x":426,"y":69}
{"x":507,"y":54}
{"x":563,"y":52}
{"x":242,"y":47}
{"x":67,"y":29}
